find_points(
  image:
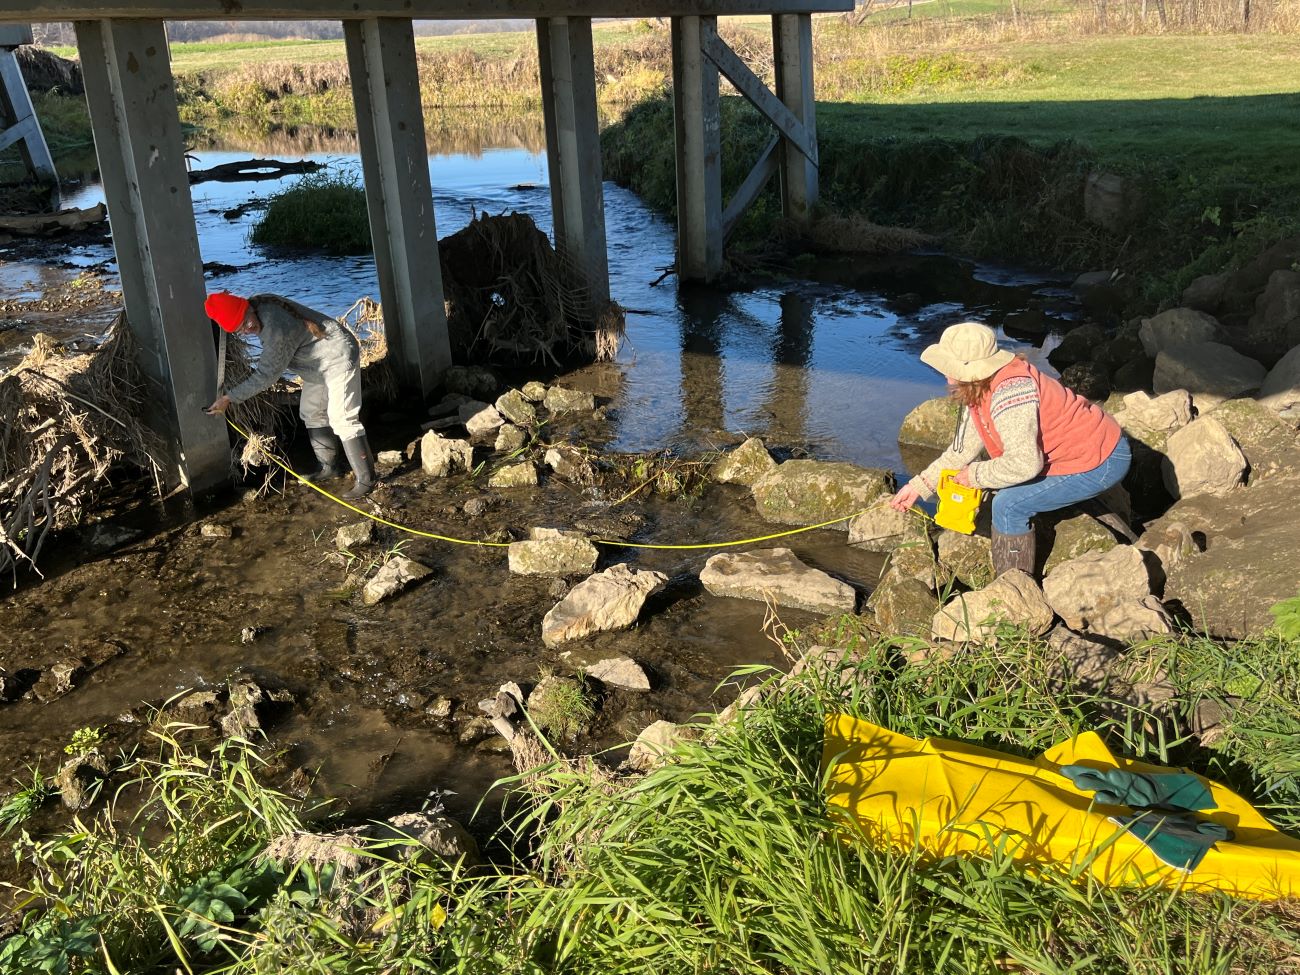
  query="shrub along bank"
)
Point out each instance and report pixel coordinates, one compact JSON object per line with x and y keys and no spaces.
{"x":725,"y":859}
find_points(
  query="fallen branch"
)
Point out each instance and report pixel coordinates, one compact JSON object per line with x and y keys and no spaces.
{"x":44,"y":223}
{"x":252,"y":170}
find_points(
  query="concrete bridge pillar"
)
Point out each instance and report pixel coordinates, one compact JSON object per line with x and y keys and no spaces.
{"x":132,"y":101}
{"x":568,"y":71}
{"x":395,"y":161}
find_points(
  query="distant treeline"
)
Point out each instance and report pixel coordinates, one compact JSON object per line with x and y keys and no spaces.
{"x":50,"y":35}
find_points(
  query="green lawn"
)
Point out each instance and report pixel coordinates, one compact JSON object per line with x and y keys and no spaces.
{"x":1215,"y":103}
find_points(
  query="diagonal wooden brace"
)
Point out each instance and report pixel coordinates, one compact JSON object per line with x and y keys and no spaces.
{"x":751,"y":86}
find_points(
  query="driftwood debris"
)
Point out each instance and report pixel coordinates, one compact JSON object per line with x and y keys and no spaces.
{"x":45,"y":223}
{"x":249,"y":170}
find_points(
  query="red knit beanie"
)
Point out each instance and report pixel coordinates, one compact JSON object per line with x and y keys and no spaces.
{"x":226,"y":310}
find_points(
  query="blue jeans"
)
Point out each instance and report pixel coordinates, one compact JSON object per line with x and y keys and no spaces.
{"x":1015,"y":505}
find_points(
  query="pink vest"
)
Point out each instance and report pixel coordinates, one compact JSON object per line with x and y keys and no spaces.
{"x":1075,"y":434}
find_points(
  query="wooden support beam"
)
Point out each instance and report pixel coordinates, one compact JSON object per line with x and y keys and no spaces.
{"x":132,"y":101}
{"x":18,"y":122}
{"x":751,"y":86}
{"x":394,"y":158}
{"x":792,"y":50}
{"x":748,"y":191}
{"x":29,"y":11}
{"x":568,"y":70}
{"x":698,"y":142}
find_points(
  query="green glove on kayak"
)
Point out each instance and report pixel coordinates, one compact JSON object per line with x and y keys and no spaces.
{"x":1178,"y":791}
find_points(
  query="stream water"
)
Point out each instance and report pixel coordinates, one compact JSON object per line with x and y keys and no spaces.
{"x":825,"y":364}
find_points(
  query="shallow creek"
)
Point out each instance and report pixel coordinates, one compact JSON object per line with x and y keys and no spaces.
{"x":823,"y":365}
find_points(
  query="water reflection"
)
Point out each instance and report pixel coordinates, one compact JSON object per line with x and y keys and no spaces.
{"x":826,"y":361}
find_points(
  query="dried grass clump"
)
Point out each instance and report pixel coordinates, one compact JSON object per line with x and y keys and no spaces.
{"x":855,"y":234}
{"x":379,"y":380}
{"x":512,"y":298}
{"x":65,"y":422}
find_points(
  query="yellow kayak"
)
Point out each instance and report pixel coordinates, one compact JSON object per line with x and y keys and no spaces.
{"x":947,"y":798}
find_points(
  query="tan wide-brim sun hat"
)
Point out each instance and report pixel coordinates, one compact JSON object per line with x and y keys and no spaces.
{"x":967,"y":352}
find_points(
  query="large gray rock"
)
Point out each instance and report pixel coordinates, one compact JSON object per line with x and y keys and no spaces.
{"x":609,"y":600}
{"x":1209,"y":371}
{"x":776,"y":574}
{"x":561,"y":400}
{"x":516,"y":408}
{"x":397,"y":574}
{"x":966,"y":558}
{"x":809,"y":492}
{"x":481,"y":420}
{"x":745,"y":465}
{"x":1139,"y":619}
{"x":1075,"y":537}
{"x":1202,"y":458}
{"x":553,"y":555}
{"x":1012,"y":597}
{"x":931,"y":424}
{"x":433,"y":834}
{"x":1275,"y":327}
{"x":1228,"y":559}
{"x":1178,"y":326}
{"x":79,"y":780}
{"x":1078,"y":345}
{"x":514,"y":475}
{"x":354,"y":535}
{"x":533,"y":391}
{"x":1206,"y":292}
{"x":621,"y":672}
{"x":655,"y":743}
{"x":882,"y":529}
{"x":1268,"y":440}
{"x":1085,"y":589}
{"x":903,"y":607}
{"x":440,"y":456}
{"x":1166,"y":413}
{"x":912,"y":562}
{"x":1281,"y":389}
{"x":509,"y":439}
{"x":570,"y":464}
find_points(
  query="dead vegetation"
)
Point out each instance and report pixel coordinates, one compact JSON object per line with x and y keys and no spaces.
{"x":65,"y":423}
{"x":512,"y":298}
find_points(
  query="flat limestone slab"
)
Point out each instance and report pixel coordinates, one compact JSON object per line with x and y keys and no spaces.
{"x":776,"y":574}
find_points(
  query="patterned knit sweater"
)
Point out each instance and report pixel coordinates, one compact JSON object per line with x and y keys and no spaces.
{"x":1014,"y":410}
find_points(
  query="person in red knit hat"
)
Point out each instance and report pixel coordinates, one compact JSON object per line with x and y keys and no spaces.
{"x":1048,"y":447}
{"x":325,"y":354}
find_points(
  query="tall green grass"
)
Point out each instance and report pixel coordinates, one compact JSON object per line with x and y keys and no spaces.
{"x":724,"y":860}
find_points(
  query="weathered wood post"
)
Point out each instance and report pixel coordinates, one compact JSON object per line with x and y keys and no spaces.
{"x":395,"y":162}
{"x":568,"y":71}
{"x":137,"y":131}
{"x":793,"y":55}
{"x":18,"y":122}
{"x":698,"y":138}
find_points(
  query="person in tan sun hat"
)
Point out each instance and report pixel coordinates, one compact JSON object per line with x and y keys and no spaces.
{"x":1048,"y":447}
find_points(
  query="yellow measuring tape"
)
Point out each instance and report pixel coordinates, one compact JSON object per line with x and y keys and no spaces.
{"x":598,"y":541}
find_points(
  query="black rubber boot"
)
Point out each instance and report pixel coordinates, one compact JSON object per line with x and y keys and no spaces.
{"x":327,"y":448}
{"x":1014,"y":552}
{"x":363,"y":466}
